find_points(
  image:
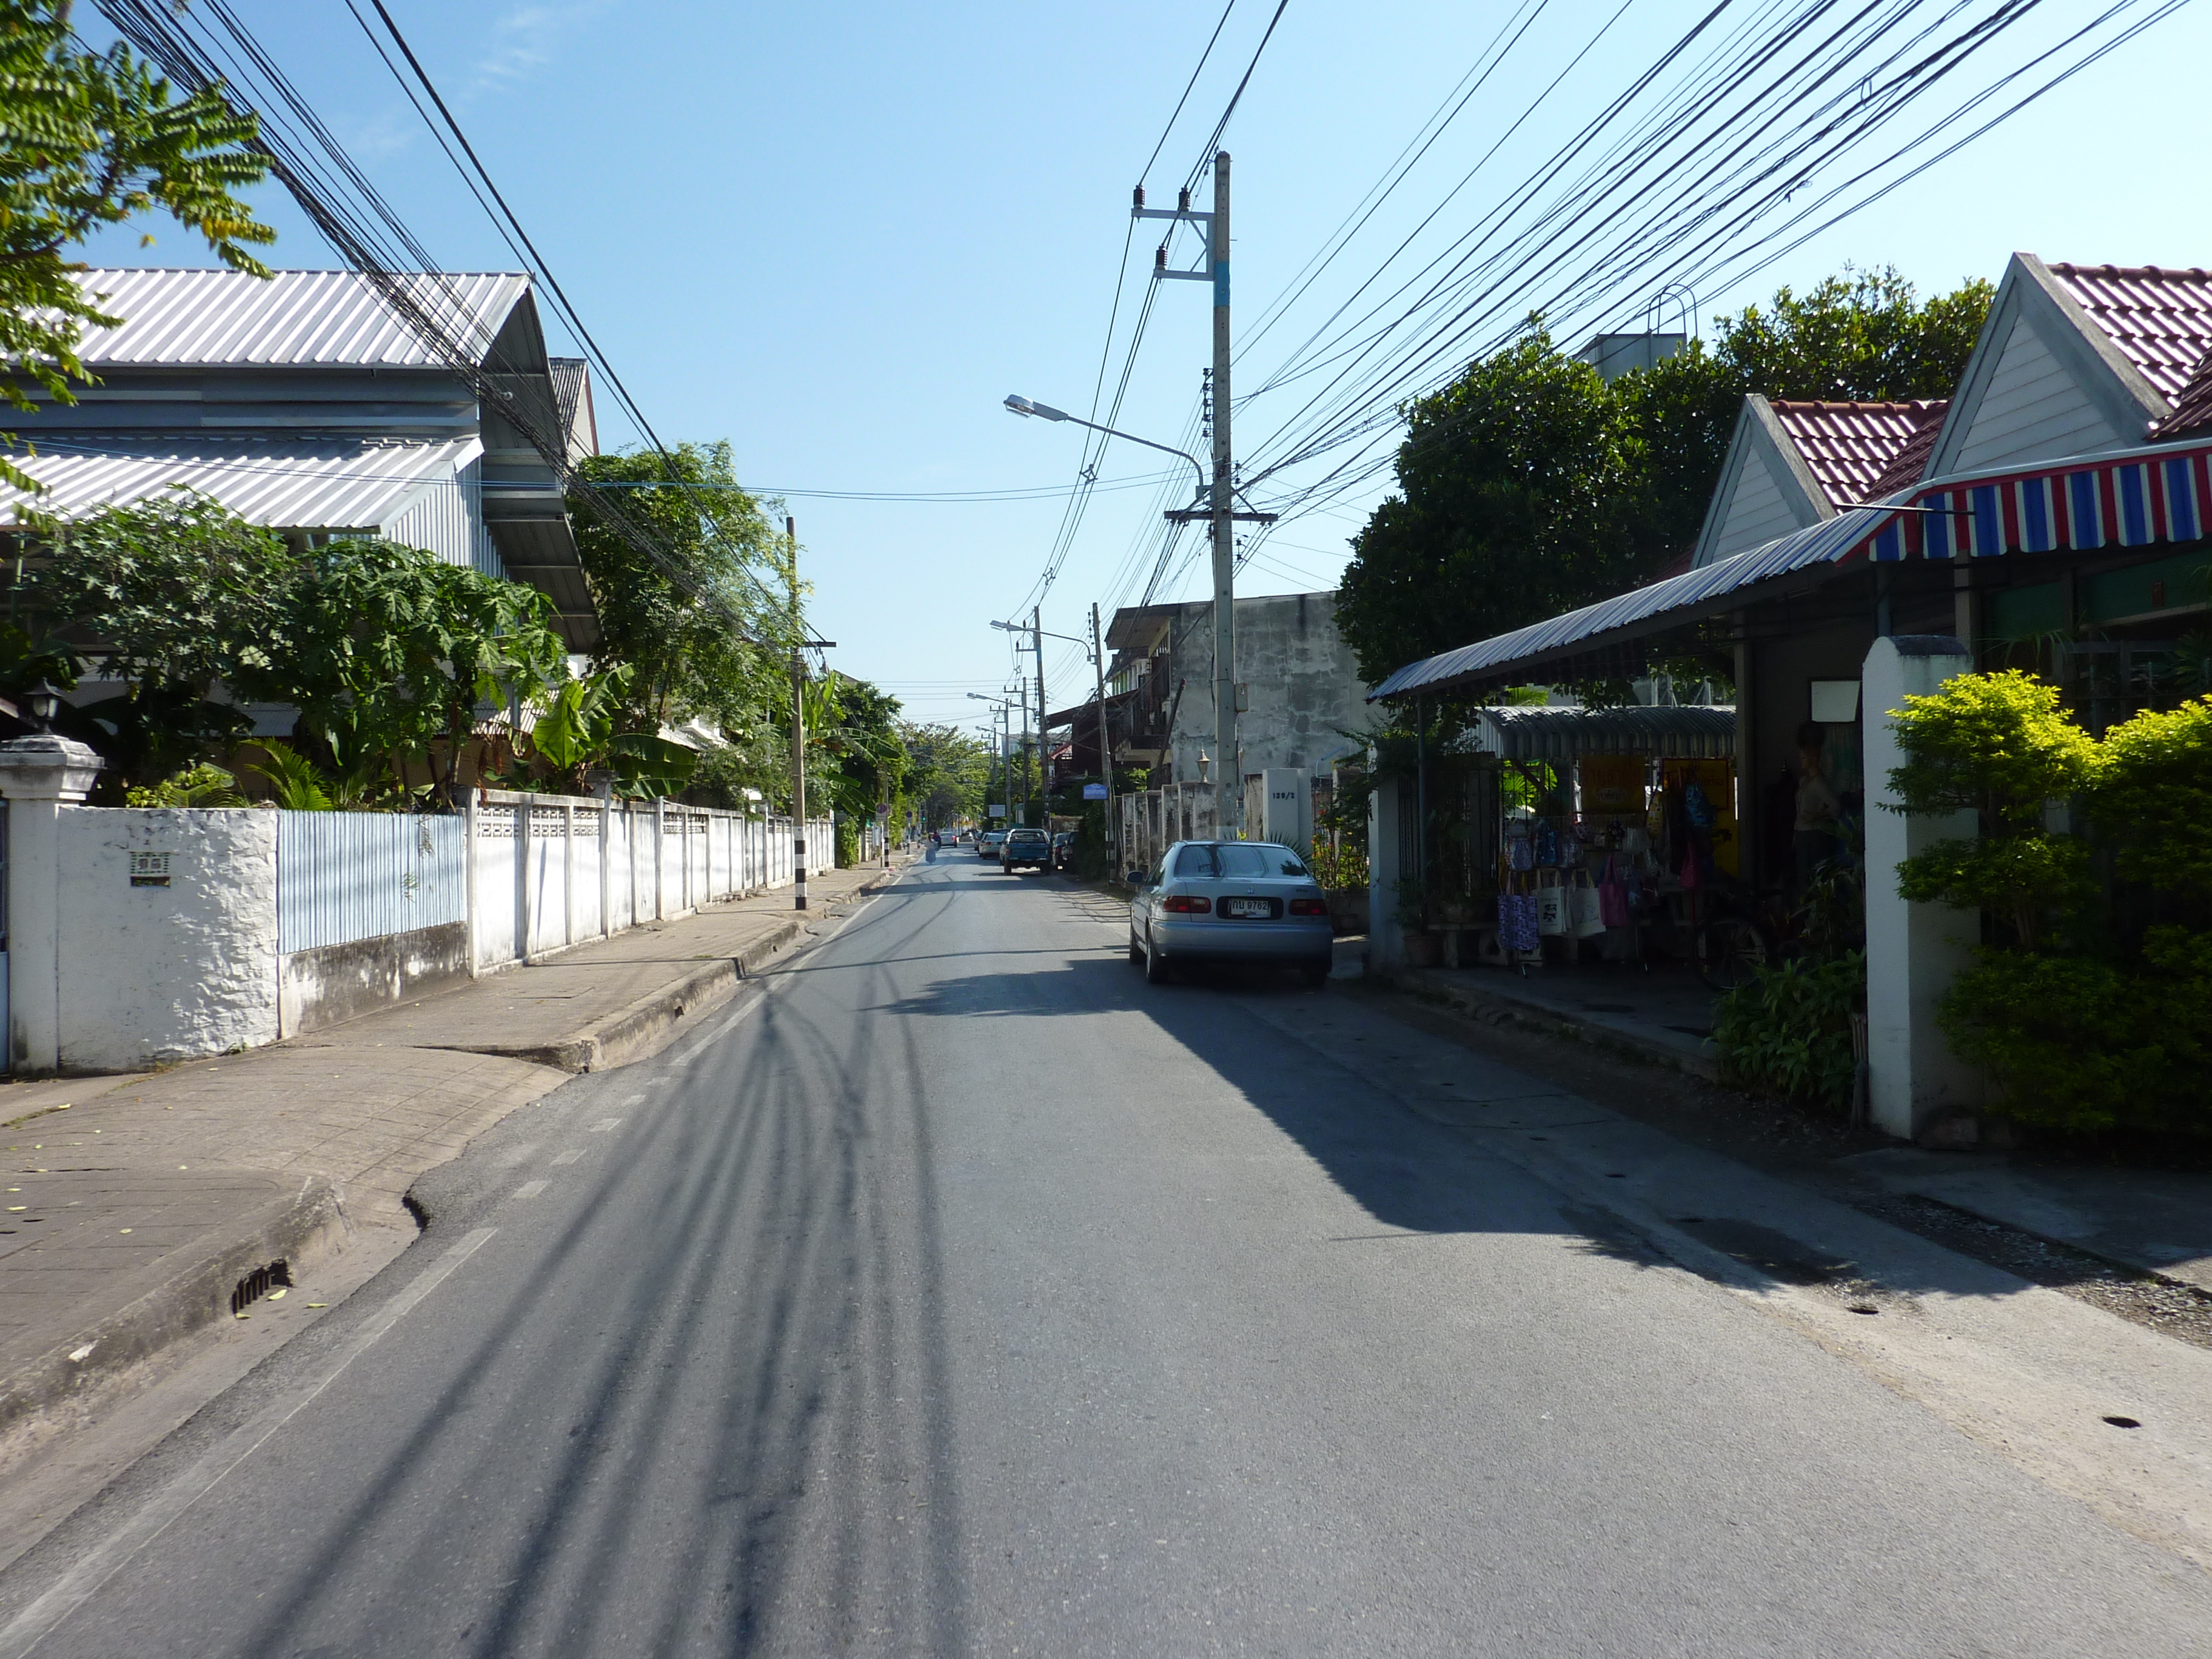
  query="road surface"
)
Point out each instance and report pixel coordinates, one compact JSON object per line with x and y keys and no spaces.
{"x":954,"y":1292}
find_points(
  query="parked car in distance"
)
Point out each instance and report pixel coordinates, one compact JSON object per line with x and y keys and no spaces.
{"x":1063,"y":850}
{"x":988,"y":844}
{"x":1229,"y":900}
{"x":1025,"y":849}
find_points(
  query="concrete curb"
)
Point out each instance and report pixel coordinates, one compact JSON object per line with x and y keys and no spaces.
{"x":632,"y":1032}
{"x":1509,"y":1011}
{"x":299,"y":1231}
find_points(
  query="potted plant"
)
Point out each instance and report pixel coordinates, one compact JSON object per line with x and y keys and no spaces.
{"x":1423,"y":948}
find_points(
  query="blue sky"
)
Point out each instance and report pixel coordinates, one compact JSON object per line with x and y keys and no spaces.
{"x":838,"y":234}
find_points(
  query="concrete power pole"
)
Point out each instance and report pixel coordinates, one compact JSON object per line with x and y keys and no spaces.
{"x":1228,"y":770}
{"x":1105,"y":748}
{"x":1044,"y":749}
{"x":798,"y":725}
{"x":1220,"y":509}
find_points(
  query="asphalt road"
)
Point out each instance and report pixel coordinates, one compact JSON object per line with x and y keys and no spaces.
{"x":955,"y":1292}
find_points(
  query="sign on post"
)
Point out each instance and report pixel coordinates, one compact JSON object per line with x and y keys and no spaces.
{"x":1094,"y":791}
{"x":997,"y":809}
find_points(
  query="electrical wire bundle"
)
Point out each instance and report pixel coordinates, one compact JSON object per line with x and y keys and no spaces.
{"x":1689,"y":176}
{"x":365,"y":231}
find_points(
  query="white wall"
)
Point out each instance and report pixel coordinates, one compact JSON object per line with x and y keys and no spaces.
{"x":151,"y":973}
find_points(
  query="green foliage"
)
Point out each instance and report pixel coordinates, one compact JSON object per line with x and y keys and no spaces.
{"x":202,"y":784}
{"x":2153,"y":797}
{"x":860,"y":736}
{"x":714,"y":646}
{"x":2078,"y":1038}
{"x":1529,"y":487}
{"x":945,"y":772}
{"x":89,"y":139}
{"x":1998,"y":744}
{"x":1516,"y":486}
{"x":2021,"y":879}
{"x":2083,"y":1044}
{"x":294,"y":781}
{"x":389,"y":648}
{"x":1787,"y":1030}
{"x":1337,"y":868}
{"x":177,"y":590}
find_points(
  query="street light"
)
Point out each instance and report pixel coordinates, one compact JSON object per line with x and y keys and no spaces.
{"x":43,"y":702}
{"x":1021,"y":405}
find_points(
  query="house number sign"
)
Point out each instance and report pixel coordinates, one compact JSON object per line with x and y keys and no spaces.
{"x":150,"y":869}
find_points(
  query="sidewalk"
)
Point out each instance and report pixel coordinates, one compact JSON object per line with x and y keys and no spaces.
{"x":136,"y":1205}
{"x":1665,"y":1015}
{"x":2155,"y":1222}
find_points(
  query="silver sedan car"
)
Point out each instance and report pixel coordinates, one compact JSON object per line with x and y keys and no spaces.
{"x":1229,"y":900}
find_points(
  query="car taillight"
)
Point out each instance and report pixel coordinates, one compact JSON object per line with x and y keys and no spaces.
{"x":1187,"y":904}
{"x":1309,"y":907}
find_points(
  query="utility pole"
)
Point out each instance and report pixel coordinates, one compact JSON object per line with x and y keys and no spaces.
{"x":1044,"y":749}
{"x":1105,"y":749}
{"x":798,"y":725}
{"x":1228,"y":770}
{"x":1220,"y":511}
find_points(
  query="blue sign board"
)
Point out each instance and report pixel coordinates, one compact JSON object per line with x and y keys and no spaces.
{"x":1094,"y":791}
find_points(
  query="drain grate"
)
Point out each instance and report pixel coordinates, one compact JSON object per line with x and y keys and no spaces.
{"x":258,"y":1283}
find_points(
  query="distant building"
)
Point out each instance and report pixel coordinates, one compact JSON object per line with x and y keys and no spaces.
{"x":1615,"y":355}
{"x":1298,"y":689}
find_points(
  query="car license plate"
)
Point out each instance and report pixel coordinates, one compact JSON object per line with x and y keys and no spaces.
{"x":1247,"y":907}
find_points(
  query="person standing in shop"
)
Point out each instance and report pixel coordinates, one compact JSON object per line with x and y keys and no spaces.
{"x":1814,"y":841}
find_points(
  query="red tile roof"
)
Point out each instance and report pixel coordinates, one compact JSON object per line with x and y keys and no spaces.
{"x":2160,"y":317}
{"x":1850,"y":447}
{"x":1909,"y":464}
{"x":2192,"y":409}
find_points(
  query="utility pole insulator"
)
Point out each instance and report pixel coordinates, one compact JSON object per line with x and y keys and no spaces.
{"x":1137,"y":197}
{"x":1182,"y":200}
{"x":1160,"y":257}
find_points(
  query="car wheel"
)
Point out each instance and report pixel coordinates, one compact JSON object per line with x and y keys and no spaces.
{"x":1156,"y":965}
{"x":1315,"y":974}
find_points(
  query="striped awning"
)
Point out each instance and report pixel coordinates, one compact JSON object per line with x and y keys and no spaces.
{"x":2142,"y":497}
{"x":2136,"y":499}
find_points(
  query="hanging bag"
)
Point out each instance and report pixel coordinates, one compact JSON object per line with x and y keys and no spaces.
{"x":1584,"y":908}
{"x":1552,"y":920}
{"x":1613,"y":897}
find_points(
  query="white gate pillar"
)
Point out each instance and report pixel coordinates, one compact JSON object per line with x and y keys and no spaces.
{"x":39,"y":776}
{"x":1913,"y":951}
{"x":1386,"y":941}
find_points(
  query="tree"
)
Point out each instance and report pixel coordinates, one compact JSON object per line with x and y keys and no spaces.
{"x":387,"y":649}
{"x":89,"y":139}
{"x":1529,"y":487}
{"x":715,"y":645}
{"x":173,"y":595}
{"x":946,"y":770}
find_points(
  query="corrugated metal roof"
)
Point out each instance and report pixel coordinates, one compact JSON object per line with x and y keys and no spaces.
{"x":290,"y":483}
{"x":1830,"y":539}
{"x":1688,"y":730}
{"x":2160,"y":317}
{"x":1849,"y":446}
{"x":2138,"y":497}
{"x":295,"y":319}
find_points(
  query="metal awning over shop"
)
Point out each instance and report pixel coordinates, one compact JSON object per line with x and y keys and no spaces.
{"x":2145,"y":497}
{"x":1671,"y":732}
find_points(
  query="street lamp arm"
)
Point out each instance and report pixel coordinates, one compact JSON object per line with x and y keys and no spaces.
{"x":1021,"y":405}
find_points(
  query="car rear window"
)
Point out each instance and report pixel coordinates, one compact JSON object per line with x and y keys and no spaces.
{"x":1237,"y":861}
